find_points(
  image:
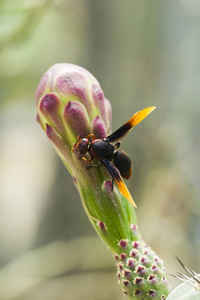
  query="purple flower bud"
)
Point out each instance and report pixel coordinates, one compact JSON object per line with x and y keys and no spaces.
{"x":125,"y":283}
{"x":141,"y":270}
{"x":59,"y":143}
{"x":76,"y":118}
{"x":42,"y":87}
{"x":153,"y":279}
{"x":98,"y":128}
{"x":71,"y":103}
{"x":74,"y":85}
{"x":123,"y":243}
{"x":136,"y":245}
{"x":70,"y":100}
{"x":108,"y":186}
{"x":152,"y":294}
{"x":132,"y":263}
{"x":109,"y":114}
{"x":134,"y":253}
{"x":138,"y":293}
{"x":50,"y":107}
{"x":123,"y":256}
{"x":101,"y":103}
{"x":102,"y":225}
{"x":116,"y":256}
{"x":127,"y":274}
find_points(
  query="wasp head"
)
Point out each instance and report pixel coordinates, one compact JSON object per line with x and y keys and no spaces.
{"x":81,"y":145}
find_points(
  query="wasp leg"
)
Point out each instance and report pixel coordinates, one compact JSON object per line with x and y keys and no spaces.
{"x":91,"y":135}
{"x":95,"y":166}
{"x":117,"y":145}
{"x":87,"y":160}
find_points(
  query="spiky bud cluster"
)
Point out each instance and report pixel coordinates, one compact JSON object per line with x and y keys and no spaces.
{"x":70,"y":102}
{"x":141,"y":272}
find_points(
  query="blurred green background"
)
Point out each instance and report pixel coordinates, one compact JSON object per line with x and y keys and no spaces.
{"x":143,"y":53}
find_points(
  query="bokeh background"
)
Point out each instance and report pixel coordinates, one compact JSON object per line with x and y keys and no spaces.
{"x":143,"y":53}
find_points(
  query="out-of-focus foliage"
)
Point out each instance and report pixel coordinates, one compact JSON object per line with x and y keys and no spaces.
{"x":143,"y":53}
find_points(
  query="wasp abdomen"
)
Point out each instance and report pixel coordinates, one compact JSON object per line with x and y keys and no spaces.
{"x":123,"y":163}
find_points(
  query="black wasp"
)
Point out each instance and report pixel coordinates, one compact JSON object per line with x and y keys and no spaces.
{"x":106,"y":152}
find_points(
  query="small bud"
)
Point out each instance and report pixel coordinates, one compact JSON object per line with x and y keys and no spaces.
{"x":98,"y":128}
{"x":134,"y":253}
{"x":59,"y":143}
{"x":121,"y":266}
{"x":138,"y":293}
{"x":125,"y":292}
{"x":141,"y":270}
{"x":116,"y":256}
{"x":134,"y":228}
{"x":145,"y":261}
{"x":123,"y":243}
{"x":76,"y":119}
{"x":102,"y":226}
{"x":127,"y":274}
{"x":108,"y":186}
{"x":50,"y":107}
{"x":152,"y":294}
{"x":139,"y":282}
{"x":123,"y":256}
{"x":131,"y":263}
{"x":136,"y":245}
{"x":125,"y":283}
{"x":153,"y":279}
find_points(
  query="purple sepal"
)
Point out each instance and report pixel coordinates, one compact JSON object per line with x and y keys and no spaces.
{"x":59,"y":143}
{"x":42,"y":86}
{"x":50,"y":107}
{"x":40,"y":121}
{"x":61,"y":68}
{"x":73,"y":84}
{"x":109,"y":115}
{"x":100,"y":102}
{"x":75,"y":117}
{"x":98,"y":128}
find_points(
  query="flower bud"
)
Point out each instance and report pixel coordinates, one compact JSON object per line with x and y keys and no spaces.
{"x":71,"y":103}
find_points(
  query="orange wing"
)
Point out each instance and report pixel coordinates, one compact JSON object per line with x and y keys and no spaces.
{"x":124,"y":129}
{"x":114,"y":172}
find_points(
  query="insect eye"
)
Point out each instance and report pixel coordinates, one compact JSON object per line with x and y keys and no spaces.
{"x":84,"y":140}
